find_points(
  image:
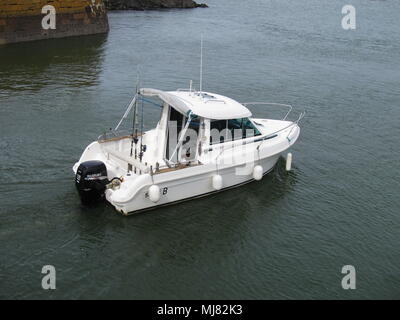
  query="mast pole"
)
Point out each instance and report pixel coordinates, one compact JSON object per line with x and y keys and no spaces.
{"x":141,"y":134}
{"x":134,"y":137}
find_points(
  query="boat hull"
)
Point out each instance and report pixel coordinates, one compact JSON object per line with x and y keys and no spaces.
{"x":194,"y":182}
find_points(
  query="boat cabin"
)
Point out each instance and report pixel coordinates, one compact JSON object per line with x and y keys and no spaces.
{"x":193,"y":123}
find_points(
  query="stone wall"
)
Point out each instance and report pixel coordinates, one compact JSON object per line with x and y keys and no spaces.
{"x":21,"y":20}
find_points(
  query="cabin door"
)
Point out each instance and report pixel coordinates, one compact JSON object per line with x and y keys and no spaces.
{"x":188,"y":151}
{"x":175,"y":126}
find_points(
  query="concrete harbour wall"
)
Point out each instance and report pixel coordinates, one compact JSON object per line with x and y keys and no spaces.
{"x":22,"y":20}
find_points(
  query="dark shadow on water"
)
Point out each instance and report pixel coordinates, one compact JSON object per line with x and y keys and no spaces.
{"x":214,"y":217}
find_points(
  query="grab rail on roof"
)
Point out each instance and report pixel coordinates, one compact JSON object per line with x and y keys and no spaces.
{"x":215,"y":100}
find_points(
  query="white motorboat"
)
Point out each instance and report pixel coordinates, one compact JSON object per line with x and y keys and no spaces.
{"x":203,"y":143}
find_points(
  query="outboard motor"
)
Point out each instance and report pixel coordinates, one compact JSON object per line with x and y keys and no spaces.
{"x":91,"y":180}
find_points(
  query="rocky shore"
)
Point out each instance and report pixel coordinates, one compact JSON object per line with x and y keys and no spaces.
{"x":151,"y":4}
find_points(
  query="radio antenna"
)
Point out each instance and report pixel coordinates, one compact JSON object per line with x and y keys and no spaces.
{"x":201,"y":64}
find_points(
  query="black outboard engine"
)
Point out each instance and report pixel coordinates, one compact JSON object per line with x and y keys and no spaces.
{"x":91,"y":180}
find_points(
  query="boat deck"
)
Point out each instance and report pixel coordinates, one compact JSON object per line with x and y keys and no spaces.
{"x":179,"y":167}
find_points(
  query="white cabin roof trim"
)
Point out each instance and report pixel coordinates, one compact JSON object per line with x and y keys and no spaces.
{"x":204,"y":104}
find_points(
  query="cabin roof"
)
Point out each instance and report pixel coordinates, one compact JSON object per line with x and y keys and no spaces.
{"x":204,"y":104}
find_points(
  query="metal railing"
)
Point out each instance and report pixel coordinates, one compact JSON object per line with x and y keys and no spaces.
{"x":272,"y":104}
{"x":291,"y":125}
{"x":114,"y":135}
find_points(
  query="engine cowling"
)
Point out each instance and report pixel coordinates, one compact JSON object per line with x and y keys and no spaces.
{"x":91,"y":180}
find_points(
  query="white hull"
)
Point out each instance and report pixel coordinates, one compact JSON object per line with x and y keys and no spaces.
{"x":192,"y":184}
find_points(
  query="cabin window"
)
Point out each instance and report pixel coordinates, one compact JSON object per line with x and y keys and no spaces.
{"x":233,"y":129}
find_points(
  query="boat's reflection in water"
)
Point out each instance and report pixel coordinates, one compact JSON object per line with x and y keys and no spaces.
{"x":44,"y":86}
{"x":32,"y":66}
{"x":184,"y":229}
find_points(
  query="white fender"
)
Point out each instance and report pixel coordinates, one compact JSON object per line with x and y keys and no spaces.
{"x":217,"y":182}
{"x":154,"y":193}
{"x":289,"y":162}
{"x":258,"y":172}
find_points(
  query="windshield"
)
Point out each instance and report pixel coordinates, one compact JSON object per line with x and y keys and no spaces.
{"x":233,"y":129}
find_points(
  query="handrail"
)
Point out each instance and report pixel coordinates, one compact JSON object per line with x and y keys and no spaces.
{"x":272,"y":104}
{"x":263,"y":139}
{"x":215,"y":100}
{"x":112,"y":134}
{"x":292,"y":124}
{"x":128,"y":110}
